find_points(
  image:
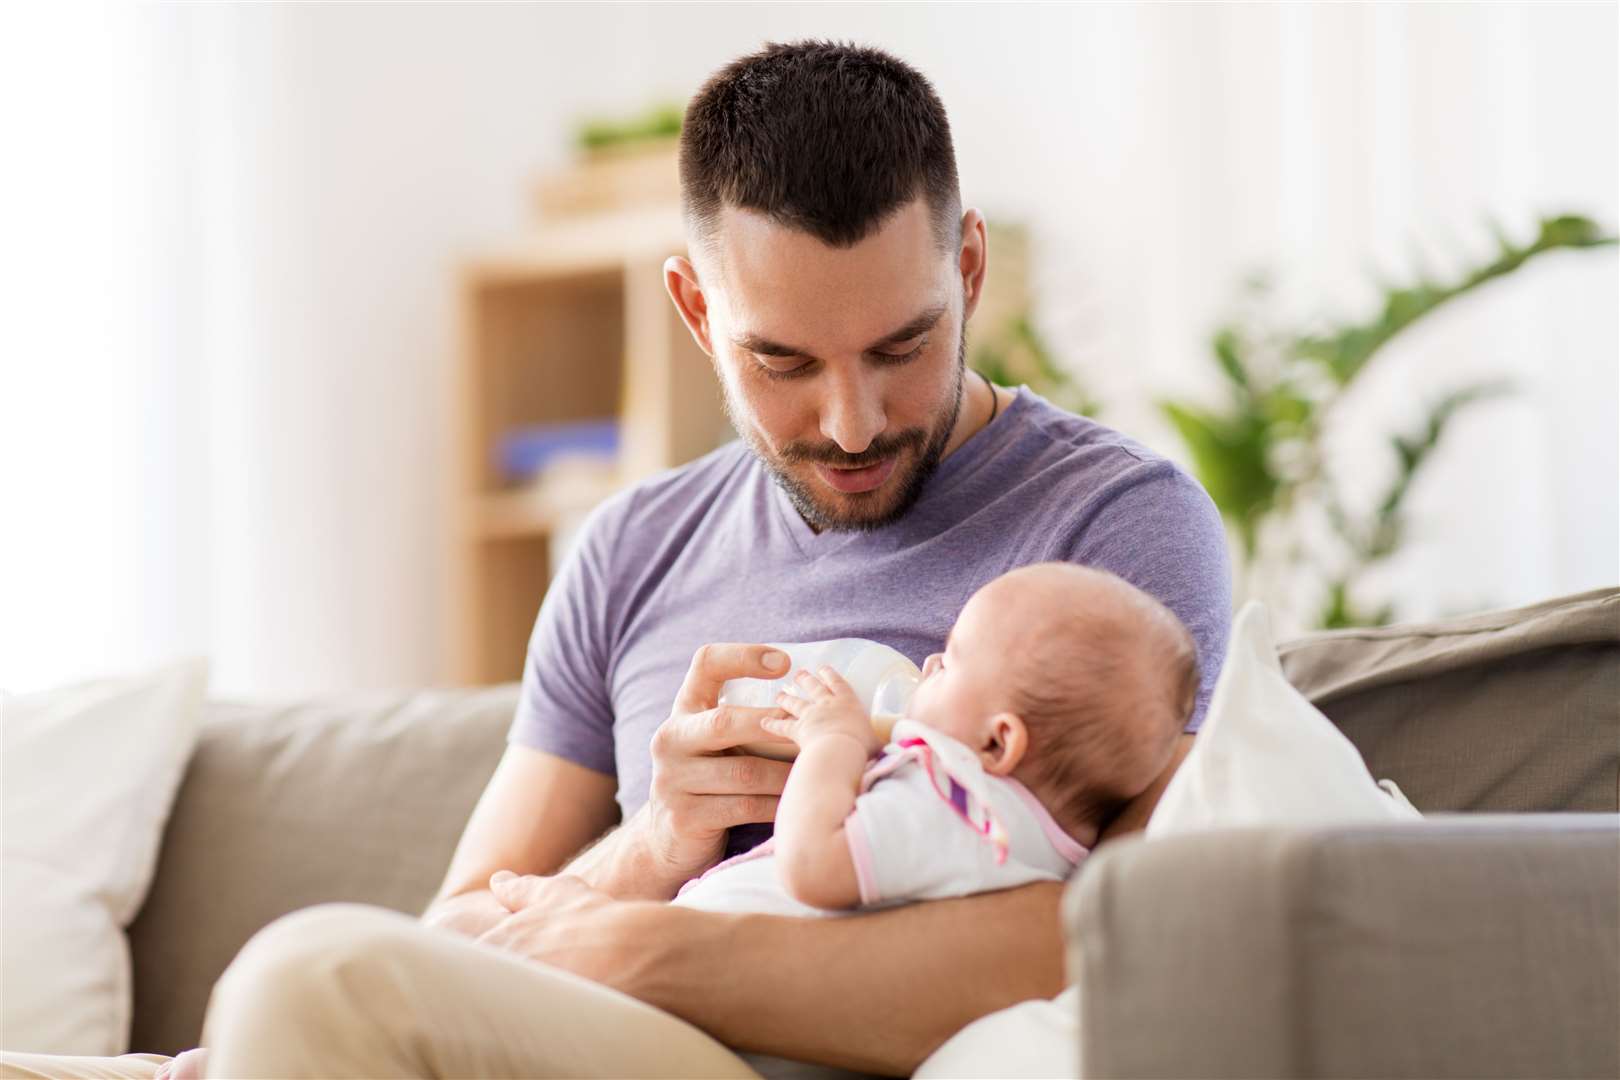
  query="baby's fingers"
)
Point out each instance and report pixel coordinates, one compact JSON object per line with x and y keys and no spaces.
{"x":794,"y":706}
{"x":811,"y":685}
{"x":836,"y":683}
{"x":781,"y":725}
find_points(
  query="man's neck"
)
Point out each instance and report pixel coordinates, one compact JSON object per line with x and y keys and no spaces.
{"x":982,"y":402}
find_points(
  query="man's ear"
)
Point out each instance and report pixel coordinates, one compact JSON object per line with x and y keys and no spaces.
{"x":973,"y":260}
{"x":1005,"y":747}
{"x":681,"y":279}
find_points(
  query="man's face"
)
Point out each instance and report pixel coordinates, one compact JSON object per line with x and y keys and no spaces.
{"x":841,"y":367}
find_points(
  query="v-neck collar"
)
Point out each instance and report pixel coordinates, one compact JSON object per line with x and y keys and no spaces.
{"x":978,"y":447}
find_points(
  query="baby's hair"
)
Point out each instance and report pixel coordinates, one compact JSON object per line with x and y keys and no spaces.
{"x":1103,"y":694}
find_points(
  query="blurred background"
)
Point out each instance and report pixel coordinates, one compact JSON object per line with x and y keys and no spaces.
{"x":325,"y":323}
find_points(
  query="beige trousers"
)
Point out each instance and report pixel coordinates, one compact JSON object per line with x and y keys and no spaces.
{"x":352,"y":990}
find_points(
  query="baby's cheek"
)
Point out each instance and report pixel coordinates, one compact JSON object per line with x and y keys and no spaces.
{"x":918,"y":705}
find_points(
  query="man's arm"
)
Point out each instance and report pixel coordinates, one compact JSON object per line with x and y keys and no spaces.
{"x":536,"y":811}
{"x":874,"y":992}
{"x":1156,"y":527}
{"x":877,"y":992}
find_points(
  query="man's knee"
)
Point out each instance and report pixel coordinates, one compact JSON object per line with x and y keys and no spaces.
{"x":295,"y":963}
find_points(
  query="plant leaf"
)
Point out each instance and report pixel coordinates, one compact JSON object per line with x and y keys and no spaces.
{"x":1231,"y":457}
{"x":1345,"y":351}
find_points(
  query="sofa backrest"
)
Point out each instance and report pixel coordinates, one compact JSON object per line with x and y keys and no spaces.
{"x":1503,"y":711}
{"x":358,"y":798}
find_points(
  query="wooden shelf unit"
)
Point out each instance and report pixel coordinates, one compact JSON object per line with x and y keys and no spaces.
{"x":571,"y":324}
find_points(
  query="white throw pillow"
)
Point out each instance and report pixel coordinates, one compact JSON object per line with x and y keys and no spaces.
{"x":89,"y":773}
{"x":1039,"y":1038}
{"x":1267,"y":756}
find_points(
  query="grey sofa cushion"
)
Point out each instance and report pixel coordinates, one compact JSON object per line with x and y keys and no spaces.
{"x":1463,"y":946}
{"x":1503,"y":711}
{"x":360,"y":798}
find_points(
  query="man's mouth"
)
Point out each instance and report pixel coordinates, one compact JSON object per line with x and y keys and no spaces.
{"x":853,"y":481}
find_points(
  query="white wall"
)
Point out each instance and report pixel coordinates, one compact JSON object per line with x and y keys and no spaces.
{"x":225,"y":399}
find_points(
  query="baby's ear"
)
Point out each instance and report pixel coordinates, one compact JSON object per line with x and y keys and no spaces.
{"x":1004,"y":748}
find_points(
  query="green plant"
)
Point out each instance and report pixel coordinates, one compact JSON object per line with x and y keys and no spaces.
{"x":655,"y":124}
{"x":1260,"y":454}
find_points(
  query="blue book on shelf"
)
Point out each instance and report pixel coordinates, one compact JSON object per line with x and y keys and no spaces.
{"x":524,"y":452}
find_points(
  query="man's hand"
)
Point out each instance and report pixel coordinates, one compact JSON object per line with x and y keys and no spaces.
{"x":701,"y":784}
{"x":469,"y":913}
{"x":829,"y":707}
{"x":564,"y":922}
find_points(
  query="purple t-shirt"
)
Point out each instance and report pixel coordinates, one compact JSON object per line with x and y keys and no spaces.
{"x":714,"y":551}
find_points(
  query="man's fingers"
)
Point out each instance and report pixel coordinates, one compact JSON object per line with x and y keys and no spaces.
{"x":737,"y":774}
{"x":713,"y":665}
{"x":512,"y":890}
{"x":731,"y":810}
{"x":518,"y":891}
{"x":720,"y":728}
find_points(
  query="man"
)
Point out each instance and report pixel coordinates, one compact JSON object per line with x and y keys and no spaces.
{"x":875,"y":487}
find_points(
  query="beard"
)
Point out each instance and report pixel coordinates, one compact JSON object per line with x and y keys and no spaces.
{"x":830,"y":511}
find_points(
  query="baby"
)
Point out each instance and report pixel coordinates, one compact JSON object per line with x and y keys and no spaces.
{"x":1057,"y":700}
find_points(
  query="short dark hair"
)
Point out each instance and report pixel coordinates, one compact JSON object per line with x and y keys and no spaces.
{"x":827,"y":138}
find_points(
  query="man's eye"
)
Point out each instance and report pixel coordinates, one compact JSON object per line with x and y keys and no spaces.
{"x":783,"y":373}
{"x":804,"y":369}
{"x":900,"y":358}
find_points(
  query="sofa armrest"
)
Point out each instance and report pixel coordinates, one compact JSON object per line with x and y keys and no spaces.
{"x":1466,"y":945}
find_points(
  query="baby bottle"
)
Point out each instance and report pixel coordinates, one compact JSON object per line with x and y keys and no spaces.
{"x":882,"y":678}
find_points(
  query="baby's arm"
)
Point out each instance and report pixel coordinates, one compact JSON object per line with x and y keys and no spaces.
{"x":835,"y":740}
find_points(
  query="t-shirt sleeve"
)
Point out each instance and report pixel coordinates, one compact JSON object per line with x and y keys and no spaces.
{"x":908,"y":843}
{"x":564,"y":707}
{"x":1156,"y":527}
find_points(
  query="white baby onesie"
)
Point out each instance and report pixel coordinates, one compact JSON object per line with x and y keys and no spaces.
{"x":929,"y":823}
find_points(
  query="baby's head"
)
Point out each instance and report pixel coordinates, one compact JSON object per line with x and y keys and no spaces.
{"x":1069,"y":679}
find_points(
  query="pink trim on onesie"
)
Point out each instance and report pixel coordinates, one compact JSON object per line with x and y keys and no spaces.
{"x":1066,"y":845}
{"x":860,"y":853}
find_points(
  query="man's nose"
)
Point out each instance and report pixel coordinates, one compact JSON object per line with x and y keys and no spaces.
{"x":852,"y":413}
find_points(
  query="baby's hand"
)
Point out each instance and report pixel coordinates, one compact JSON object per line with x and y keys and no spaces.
{"x":829,"y":706}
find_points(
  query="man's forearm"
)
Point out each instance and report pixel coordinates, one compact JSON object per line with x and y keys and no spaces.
{"x":876,"y":992}
{"x":620,"y":865}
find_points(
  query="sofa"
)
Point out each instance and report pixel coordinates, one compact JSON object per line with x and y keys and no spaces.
{"x":1484,"y":941}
